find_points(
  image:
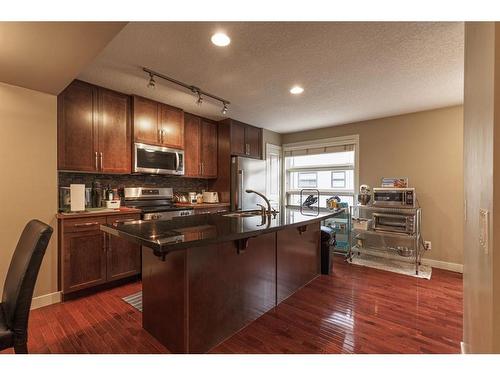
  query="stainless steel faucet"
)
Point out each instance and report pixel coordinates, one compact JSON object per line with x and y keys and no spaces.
{"x":269,"y":209}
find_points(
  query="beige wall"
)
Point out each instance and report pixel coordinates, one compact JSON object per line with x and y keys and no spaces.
{"x":482,"y":186}
{"x":28,"y":187}
{"x":427,"y":148}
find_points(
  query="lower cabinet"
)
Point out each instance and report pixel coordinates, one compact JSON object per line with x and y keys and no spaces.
{"x":298,"y":258}
{"x":88,"y":257}
{"x":123,"y":257}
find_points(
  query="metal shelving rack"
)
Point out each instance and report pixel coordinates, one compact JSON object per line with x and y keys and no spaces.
{"x":384,"y":244}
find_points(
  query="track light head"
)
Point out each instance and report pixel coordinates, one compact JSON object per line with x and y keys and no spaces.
{"x":151,"y":83}
{"x":199,"y":101}
{"x":224,"y":109}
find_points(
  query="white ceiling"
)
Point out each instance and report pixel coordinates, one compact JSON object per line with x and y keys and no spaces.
{"x":350,"y":71}
{"x":47,"y":56}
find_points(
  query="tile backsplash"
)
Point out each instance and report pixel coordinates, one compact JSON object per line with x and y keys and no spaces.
{"x":179,"y":184}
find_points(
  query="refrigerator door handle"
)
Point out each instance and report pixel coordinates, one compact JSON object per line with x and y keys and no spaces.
{"x":240,"y":190}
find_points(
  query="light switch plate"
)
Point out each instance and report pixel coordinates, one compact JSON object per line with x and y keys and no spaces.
{"x":484,"y":231}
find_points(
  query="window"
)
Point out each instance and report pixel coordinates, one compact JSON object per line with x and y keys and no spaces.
{"x":307,"y":179}
{"x":329,"y":166}
{"x":338,"y":179}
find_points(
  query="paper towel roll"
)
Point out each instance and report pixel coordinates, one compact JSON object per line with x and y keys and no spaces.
{"x":77,"y":196}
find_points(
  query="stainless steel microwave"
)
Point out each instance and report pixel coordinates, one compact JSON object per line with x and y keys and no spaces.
{"x":158,"y":159}
{"x":394,"y":197}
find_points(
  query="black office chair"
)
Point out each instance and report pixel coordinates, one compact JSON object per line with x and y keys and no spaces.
{"x":19,"y":285}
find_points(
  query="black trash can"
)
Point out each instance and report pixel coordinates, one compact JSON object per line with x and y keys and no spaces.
{"x":327,"y":239}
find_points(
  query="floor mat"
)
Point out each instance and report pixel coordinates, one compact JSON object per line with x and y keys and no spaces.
{"x":135,"y":300}
{"x":392,"y":265}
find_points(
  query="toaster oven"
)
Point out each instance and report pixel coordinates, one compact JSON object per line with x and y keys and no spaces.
{"x":394,"y":197}
{"x":395,"y":222}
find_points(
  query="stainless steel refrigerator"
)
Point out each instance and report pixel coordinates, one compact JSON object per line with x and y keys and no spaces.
{"x":246,"y":174}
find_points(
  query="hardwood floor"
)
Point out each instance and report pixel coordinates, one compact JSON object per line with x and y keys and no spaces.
{"x":355,"y":310}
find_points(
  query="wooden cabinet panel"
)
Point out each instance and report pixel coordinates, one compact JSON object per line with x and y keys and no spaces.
{"x":192,"y":162}
{"x":164,"y":294}
{"x":123,"y":257}
{"x":298,"y":258}
{"x":228,"y":289}
{"x":208,"y":143}
{"x":171,"y":126}
{"x":238,"y":145}
{"x":145,"y":120}
{"x":253,"y":142}
{"x":114,"y":132}
{"x":84,"y":260}
{"x":76,"y":128}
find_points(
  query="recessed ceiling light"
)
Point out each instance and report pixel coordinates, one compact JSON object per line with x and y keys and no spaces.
{"x":295,"y":90}
{"x":220,"y":39}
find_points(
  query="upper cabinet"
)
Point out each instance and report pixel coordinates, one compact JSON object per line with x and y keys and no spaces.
{"x":93,"y":129}
{"x":157,"y":123}
{"x":246,"y":140}
{"x":200,"y":152}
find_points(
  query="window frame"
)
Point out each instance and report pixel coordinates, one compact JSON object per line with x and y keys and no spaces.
{"x":315,"y":173}
{"x":329,"y":142}
{"x":332,"y":179}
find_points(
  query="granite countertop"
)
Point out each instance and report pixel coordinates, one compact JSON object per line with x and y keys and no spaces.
{"x":98,"y":212}
{"x":199,"y":230}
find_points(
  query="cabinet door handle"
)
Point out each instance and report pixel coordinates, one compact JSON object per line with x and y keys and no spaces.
{"x":96,"y":165}
{"x":202,"y":168}
{"x":101,"y":161}
{"x":86,"y":224}
{"x":159,"y":135}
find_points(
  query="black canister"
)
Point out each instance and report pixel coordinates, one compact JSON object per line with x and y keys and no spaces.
{"x":96,"y":194}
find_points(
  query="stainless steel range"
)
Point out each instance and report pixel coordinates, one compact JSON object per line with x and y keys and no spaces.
{"x":155,"y":203}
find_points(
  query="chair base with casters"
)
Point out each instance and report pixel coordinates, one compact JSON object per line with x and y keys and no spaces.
{"x":19,"y":286}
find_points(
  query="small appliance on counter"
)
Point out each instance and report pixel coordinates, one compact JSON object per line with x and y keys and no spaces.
{"x":394,"y":197}
{"x":77,"y":197}
{"x":365,"y":195}
{"x":65,"y":198}
{"x":192,"y":198}
{"x":210,"y":197}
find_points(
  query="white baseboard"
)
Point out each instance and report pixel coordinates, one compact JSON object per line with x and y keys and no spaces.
{"x":455,"y":267}
{"x":45,"y":300}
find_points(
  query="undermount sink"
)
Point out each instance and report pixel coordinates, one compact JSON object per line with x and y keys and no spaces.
{"x":243,"y":213}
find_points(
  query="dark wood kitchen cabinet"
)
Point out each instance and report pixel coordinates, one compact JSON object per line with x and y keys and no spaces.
{"x":123,"y":257}
{"x":157,"y":123}
{"x":89,"y":258}
{"x":298,"y":258}
{"x":246,"y":140}
{"x":83,"y":254}
{"x":93,"y":129}
{"x":200,"y":147}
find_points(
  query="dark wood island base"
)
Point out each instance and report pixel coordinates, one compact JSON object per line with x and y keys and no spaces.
{"x":196,"y":298}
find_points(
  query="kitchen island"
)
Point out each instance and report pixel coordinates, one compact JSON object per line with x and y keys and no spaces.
{"x":204,"y":277}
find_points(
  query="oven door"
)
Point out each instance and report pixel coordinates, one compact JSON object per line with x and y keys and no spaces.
{"x":158,"y":160}
{"x":394,"y":223}
{"x":389,"y":198}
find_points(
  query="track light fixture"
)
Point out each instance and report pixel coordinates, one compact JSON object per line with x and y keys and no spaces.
{"x":199,"y":100}
{"x":224,"y":108}
{"x":152,"y":82}
{"x":195,"y":90}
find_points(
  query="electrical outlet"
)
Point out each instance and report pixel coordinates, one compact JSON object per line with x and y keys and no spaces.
{"x":427,"y":245}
